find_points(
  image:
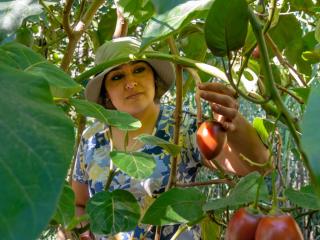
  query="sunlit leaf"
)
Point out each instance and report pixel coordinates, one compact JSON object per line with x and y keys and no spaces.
{"x":13,"y":12}
{"x":121,"y":120}
{"x":136,"y":164}
{"x":172,"y":16}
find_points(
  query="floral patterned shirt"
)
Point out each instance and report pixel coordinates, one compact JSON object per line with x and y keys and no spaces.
{"x":92,"y":168}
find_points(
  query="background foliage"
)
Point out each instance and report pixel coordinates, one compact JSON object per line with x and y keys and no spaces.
{"x":46,"y":58}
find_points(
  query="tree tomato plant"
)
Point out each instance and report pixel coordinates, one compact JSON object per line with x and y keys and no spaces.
{"x":278,"y":227}
{"x":211,"y":137}
{"x":242,"y":225}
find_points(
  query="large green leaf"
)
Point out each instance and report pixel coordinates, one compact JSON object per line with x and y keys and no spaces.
{"x":176,"y":206}
{"x":13,"y":12}
{"x":226,"y":26}
{"x":171,"y":148}
{"x":173,"y":15}
{"x":24,"y":59}
{"x":65,"y":211}
{"x":113,"y":212}
{"x":136,"y":11}
{"x":121,"y":120}
{"x":139,"y":165}
{"x":37,"y":146}
{"x":263,"y":128}
{"x":304,"y":198}
{"x":310,"y":137}
{"x":244,"y":192}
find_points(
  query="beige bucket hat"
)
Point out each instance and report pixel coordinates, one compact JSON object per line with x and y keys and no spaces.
{"x":122,"y":47}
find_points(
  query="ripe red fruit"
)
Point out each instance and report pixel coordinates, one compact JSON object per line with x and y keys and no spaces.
{"x":211,"y":137}
{"x":256,"y":53}
{"x":242,"y":225}
{"x":278,"y":227}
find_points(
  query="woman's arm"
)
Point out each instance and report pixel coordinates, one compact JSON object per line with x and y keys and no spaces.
{"x":81,"y":199}
{"x":242,"y":139}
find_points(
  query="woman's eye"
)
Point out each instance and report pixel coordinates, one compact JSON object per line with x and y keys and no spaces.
{"x":116,"y":77}
{"x":139,"y":69}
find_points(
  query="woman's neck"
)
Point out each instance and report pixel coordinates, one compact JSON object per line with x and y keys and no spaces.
{"x":148,"y":120}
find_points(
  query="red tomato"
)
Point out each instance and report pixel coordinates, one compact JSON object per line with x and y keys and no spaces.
{"x":242,"y":225}
{"x":278,"y":227}
{"x":211,"y":137}
{"x":256,"y":53}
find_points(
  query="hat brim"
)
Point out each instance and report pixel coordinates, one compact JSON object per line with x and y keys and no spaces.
{"x":164,"y":70}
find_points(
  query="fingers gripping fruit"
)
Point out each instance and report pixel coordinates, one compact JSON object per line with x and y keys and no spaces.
{"x":242,"y":225}
{"x":278,"y":227}
{"x":211,"y":137}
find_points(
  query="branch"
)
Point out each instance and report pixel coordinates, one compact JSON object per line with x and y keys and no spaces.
{"x":206,"y":183}
{"x":121,"y":29}
{"x":295,"y":74}
{"x":297,"y":98}
{"x":65,"y":19}
{"x":177,"y":114}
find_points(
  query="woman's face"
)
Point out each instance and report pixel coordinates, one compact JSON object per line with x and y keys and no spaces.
{"x":131,"y":87}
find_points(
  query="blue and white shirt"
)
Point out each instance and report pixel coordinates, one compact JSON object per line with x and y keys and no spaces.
{"x":92,"y":168}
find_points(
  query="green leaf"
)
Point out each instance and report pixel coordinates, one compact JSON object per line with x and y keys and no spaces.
{"x":302,"y":92}
{"x":37,"y":148}
{"x":106,"y":26}
{"x":65,"y":210}
{"x":173,"y":16}
{"x":136,"y":11}
{"x":171,"y":148}
{"x":121,"y":120}
{"x":226,"y":26}
{"x":311,"y":56}
{"x":310,"y":138}
{"x":113,"y":212}
{"x":304,"y":198}
{"x":243,"y":193}
{"x":210,"y":230}
{"x":20,"y":57}
{"x":175,"y":206}
{"x":139,"y":165}
{"x":263,"y":128}
{"x":13,"y":12}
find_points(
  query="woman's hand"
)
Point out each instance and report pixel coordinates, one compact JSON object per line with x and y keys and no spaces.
{"x":222,"y":100}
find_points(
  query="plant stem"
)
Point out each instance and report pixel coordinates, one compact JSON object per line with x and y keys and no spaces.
{"x":177,"y":115}
{"x":180,"y":230}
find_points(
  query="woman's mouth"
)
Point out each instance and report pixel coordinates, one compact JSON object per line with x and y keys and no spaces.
{"x":134,"y":95}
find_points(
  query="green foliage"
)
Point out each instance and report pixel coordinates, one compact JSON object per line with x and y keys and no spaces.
{"x":171,"y":148}
{"x":65,"y":211}
{"x":112,"y":212}
{"x":17,"y":56}
{"x":226,"y":26}
{"x":305,"y":198}
{"x":243,"y":193}
{"x":171,"y":18}
{"x":139,"y":165}
{"x":121,"y":120}
{"x":39,"y":141}
{"x":170,"y":207}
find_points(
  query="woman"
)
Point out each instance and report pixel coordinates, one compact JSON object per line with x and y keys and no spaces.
{"x":136,"y":88}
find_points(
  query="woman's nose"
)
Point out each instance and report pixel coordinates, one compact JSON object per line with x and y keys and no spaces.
{"x":130,"y":83}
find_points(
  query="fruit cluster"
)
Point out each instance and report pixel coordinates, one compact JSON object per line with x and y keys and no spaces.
{"x":245,"y":225}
